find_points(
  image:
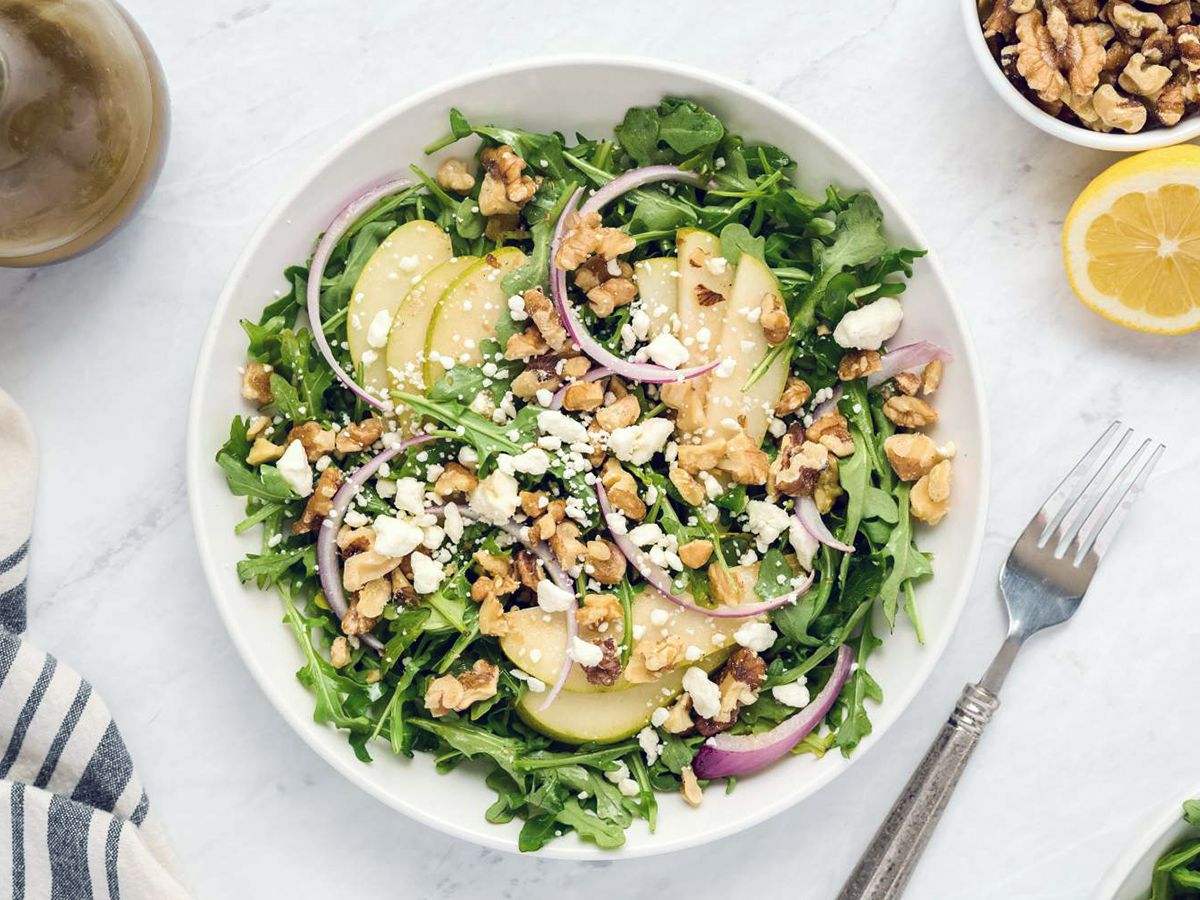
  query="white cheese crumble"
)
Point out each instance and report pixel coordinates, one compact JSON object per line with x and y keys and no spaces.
{"x":495,"y":499}
{"x":803,"y":543}
{"x":396,"y":537}
{"x":766,"y":521}
{"x":410,"y":496}
{"x":585,"y":652}
{"x":794,"y":694}
{"x":706,"y":696}
{"x":637,"y":444}
{"x":427,"y":574}
{"x":294,"y":469}
{"x":556,"y":424}
{"x":377,"y":331}
{"x":453,"y":523}
{"x":531,"y":462}
{"x":659,"y":716}
{"x":552,"y":598}
{"x":650,"y":743}
{"x":659,"y":617}
{"x":645,"y":535}
{"x":667,"y":351}
{"x":867,"y":327}
{"x":756,"y":636}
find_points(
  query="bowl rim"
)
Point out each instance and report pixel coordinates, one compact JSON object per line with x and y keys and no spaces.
{"x":1075,"y":134}
{"x":198,"y":456}
{"x":1153,"y":828}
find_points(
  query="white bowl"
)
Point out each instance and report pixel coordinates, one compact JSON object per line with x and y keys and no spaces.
{"x":1129,"y":877}
{"x":1118,"y":142}
{"x":545,"y":95}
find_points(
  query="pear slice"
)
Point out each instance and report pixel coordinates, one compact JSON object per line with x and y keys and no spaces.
{"x":744,"y":342}
{"x":400,"y":262}
{"x":659,"y":292}
{"x":698,"y":275}
{"x":536,"y":640}
{"x":466,"y":313}
{"x":406,"y":343}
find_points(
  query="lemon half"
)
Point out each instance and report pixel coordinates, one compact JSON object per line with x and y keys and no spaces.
{"x":1132,"y":242}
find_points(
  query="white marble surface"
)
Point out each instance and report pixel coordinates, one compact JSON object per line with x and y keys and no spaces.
{"x":1099,"y":727}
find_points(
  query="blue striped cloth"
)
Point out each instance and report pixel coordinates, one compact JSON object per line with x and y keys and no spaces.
{"x":75,"y":823}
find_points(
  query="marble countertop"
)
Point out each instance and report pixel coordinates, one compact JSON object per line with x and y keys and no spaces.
{"x":1099,"y":727}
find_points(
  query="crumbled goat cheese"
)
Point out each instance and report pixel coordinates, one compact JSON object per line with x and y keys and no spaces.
{"x":667,"y":351}
{"x":377,"y":331}
{"x":659,"y":716}
{"x":716,"y":264}
{"x":867,"y":327}
{"x":650,"y":743}
{"x":561,"y":426}
{"x":803,"y":543}
{"x":427,"y":574}
{"x":766,"y":521}
{"x":495,"y":499}
{"x":756,"y":636}
{"x":396,"y":537}
{"x":531,"y":462}
{"x":795,"y":694}
{"x":585,"y":652}
{"x":355,"y":519}
{"x":645,"y":535}
{"x":706,"y":696}
{"x":294,"y":469}
{"x":638,"y":443}
{"x":410,"y":496}
{"x":659,"y":617}
{"x":433,"y":535}
{"x":453,"y":523}
{"x":552,"y":598}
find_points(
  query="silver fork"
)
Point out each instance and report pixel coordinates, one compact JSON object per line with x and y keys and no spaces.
{"x":1043,"y":582}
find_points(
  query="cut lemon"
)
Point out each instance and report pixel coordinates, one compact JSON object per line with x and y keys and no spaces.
{"x":1132,"y":242}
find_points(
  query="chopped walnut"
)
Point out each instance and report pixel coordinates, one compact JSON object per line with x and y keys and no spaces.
{"x":691,"y":490}
{"x":494,"y":564}
{"x":1187,"y":45}
{"x":740,"y":680}
{"x":1080,"y":10}
{"x":689,"y":787}
{"x":355,"y":540}
{"x":608,"y":670}
{"x":1171,"y":104}
{"x":320,"y":501}
{"x":403,"y":589}
{"x":584,"y":396}
{"x":832,"y":432}
{"x":706,"y":296}
{"x":701,"y":457}
{"x":256,"y":383}
{"x":695,"y":554}
{"x":599,"y":613}
{"x":605,"y":562}
{"x":909,"y":412}
{"x":726,"y":586}
{"x":1003,"y":17}
{"x":1118,"y":111}
{"x":679,"y":717}
{"x":506,"y":187}
{"x":453,"y":175}
{"x":529,"y":570}
{"x":931,"y":378}
{"x":859,"y":364}
{"x":583,"y":236}
{"x":545,"y":317}
{"x":566,"y":545}
{"x":686,"y":398}
{"x":263,"y":451}
{"x":650,"y":658}
{"x":1159,"y":48}
{"x":605,"y":298}
{"x":373,"y":597}
{"x":774,"y":319}
{"x":339,"y":652}
{"x":525,"y":344}
{"x":359,"y":436}
{"x":454,"y":694}
{"x":578,"y":366}
{"x":622,"y":490}
{"x":744,"y":461}
{"x":1140,"y":78}
{"x":911,"y":455}
{"x":829,"y":487}
{"x":620,"y":414}
{"x":492,"y":618}
{"x":317,"y":441}
{"x":796,"y":394}
{"x":354,"y":623}
{"x":908,"y":383}
{"x":1133,"y":22}
{"x":798,"y":465}
{"x":455,"y":479}
{"x":1174,"y":14}
{"x":539,"y":375}
{"x":930,"y":496}
{"x":366,"y":566}
{"x":258,"y":425}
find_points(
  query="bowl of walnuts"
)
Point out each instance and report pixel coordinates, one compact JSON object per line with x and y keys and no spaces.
{"x":1118,"y":75}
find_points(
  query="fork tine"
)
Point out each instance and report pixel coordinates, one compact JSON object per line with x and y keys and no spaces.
{"x":1102,"y":525}
{"x":1111,"y":473}
{"x":1064,"y":497}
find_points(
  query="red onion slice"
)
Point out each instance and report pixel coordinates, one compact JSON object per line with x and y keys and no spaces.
{"x":902,"y":359}
{"x":727,"y":754}
{"x":646,"y":373}
{"x":660,"y":579}
{"x":810,"y":518}
{"x":328,"y":565}
{"x":337,"y":228}
{"x":561,"y":394}
{"x":634,"y":179}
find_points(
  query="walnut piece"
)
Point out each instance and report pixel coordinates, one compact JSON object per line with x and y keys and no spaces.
{"x":359,"y":436}
{"x":796,"y":394}
{"x":320,"y":501}
{"x":599,"y":613}
{"x":691,"y":490}
{"x":622,"y":490}
{"x":1003,"y":17}
{"x":1187,"y":45}
{"x":605,"y":562}
{"x":774,"y":319}
{"x":1133,"y":22}
{"x":930,"y":496}
{"x":606,"y":297}
{"x":584,"y":396}
{"x":256,"y":383}
{"x":859,"y":364}
{"x":566,"y":545}
{"x":339,"y":652}
{"x":689,"y":787}
{"x":454,"y":694}
{"x":909,"y":412}
{"x":263,"y":451}
{"x":455,"y":479}
{"x":1140,"y":78}
{"x":317,"y":441}
{"x":525,"y":345}
{"x":695,"y":554}
{"x":651,"y":658}
{"x":545,"y":317}
{"x":799,"y":464}
{"x":620,"y":414}
{"x":1118,"y":111}
{"x":832,"y":432}
{"x":504,"y":170}
{"x":679,"y":718}
{"x":701,"y":457}
{"x":453,"y":175}
{"x":584,"y":236}
{"x":366,"y":566}
{"x":931,"y":378}
{"x":744,"y":461}
{"x":743,"y":675}
{"x":911,"y":455}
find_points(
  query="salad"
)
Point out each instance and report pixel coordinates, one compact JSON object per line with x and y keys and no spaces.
{"x":590,"y":459}
{"x":1177,"y":872}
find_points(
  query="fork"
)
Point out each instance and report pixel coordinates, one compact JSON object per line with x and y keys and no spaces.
{"x":1043,"y":582}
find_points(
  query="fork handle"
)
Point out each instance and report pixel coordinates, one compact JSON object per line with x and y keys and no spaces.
{"x":885,"y":868}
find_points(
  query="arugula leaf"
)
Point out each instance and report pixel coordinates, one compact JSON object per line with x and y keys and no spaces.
{"x":856,"y":723}
{"x":775,"y":575}
{"x":736,"y":239}
{"x":906,"y":561}
{"x":270,"y":568}
{"x":330,"y":689}
{"x":683,"y":126}
{"x":603,"y":833}
{"x":264,"y":483}
{"x":472,"y":741}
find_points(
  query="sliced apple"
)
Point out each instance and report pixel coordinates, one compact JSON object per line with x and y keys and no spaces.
{"x":657,"y":286}
{"x":406,"y":343}
{"x":467,"y":311}
{"x":696,"y":252}
{"x":400,"y":262}
{"x":536,"y":640}
{"x":744,"y":342}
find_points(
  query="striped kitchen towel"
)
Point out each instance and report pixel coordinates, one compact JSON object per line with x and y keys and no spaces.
{"x":75,"y":823}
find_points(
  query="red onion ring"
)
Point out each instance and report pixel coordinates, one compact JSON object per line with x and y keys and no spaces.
{"x":723,"y":755}
{"x":561,"y":394}
{"x":646,"y":373}
{"x":328,"y":565}
{"x":910,"y":356}
{"x":660,"y":579}
{"x":810,"y":517}
{"x":634,"y":179}
{"x":337,"y":228}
